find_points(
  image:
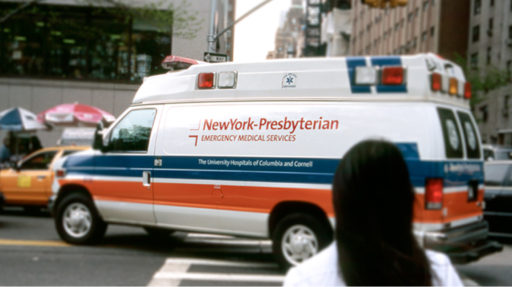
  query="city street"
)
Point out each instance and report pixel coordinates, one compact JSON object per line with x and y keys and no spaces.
{"x":33,"y":254}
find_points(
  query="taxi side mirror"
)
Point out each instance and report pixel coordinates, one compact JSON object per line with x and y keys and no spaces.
{"x":98,"y":138}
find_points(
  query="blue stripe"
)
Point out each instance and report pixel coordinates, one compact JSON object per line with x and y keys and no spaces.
{"x":313,"y":171}
{"x":352,"y":63}
{"x":389,"y":61}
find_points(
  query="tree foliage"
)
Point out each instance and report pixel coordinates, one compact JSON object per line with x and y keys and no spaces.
{"x":483,"y":80}
{"x":161,"y":14}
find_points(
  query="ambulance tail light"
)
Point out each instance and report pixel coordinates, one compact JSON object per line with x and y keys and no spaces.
{"x":393,"y":76}
{"x":436,"y":81}
{"x":206,"y":81}
{"x":454,"y":87}
{"x":434,"y":193}
{"x":467,"y":90}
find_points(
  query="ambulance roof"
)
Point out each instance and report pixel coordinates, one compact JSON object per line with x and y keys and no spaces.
{"x":330,"y":79}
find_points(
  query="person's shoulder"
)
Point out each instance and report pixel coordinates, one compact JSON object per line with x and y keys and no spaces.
{"x":444,"y":274}
{"x":320,"y":270}
{"x":437,"y":258}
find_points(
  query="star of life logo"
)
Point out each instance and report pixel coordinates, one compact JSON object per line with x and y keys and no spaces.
{"x":289,"y":81}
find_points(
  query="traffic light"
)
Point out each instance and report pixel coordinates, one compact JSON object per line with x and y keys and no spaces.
{"x":395,"y":3}
{"x":373,"y":3}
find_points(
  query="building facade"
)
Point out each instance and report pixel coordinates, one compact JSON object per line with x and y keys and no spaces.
{"x":91,"y":52}
{"x":490,"y":49}
{"x":420,"y":26}
{"x":287,"y":43}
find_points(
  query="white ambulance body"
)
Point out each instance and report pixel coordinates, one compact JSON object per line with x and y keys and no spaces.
{"x":250,"y":150}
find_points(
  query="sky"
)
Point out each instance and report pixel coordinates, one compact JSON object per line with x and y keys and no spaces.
{"x":255,"y":35}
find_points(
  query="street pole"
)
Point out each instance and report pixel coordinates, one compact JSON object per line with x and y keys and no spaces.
{"x":212,"y":38}
{"x":211,"y":35}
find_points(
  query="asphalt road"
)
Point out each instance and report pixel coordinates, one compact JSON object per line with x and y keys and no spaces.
{"x":31,"y":253}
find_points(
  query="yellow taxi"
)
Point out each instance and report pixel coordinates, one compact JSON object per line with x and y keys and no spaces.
{"x":29,"y":183}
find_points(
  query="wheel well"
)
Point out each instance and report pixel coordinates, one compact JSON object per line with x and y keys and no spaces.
{"x":285,"y":208}
{"x":67,"y":190}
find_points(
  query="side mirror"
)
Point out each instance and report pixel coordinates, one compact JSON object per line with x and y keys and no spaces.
{"x":98,"y":138}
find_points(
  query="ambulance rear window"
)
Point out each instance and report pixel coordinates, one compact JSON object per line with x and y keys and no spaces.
{"x":472,"y":145}
{"x":451,"y":133}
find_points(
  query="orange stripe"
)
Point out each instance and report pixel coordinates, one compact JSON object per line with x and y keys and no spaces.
{"x":258,"y":199}
{"x":457,"y":206}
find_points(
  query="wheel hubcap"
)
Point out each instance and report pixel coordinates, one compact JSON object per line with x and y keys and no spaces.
{"x":299,"y":243}
{"x":77,"y":220}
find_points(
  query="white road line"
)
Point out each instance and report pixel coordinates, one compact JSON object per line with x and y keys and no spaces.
{"x":212,"y":262}
{"x":175,"y":270}
{"x":168,"y":268}
{"x":218,"y":277}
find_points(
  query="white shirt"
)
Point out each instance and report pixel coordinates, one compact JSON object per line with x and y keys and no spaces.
{"x":322,"y":270}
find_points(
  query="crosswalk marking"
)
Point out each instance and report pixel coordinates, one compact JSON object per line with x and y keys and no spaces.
{"x":213,"y":262}
{"x":205,"y":271}
{"x":219,"y":277}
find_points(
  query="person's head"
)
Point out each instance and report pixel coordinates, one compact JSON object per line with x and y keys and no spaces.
{"x":373,"y":200}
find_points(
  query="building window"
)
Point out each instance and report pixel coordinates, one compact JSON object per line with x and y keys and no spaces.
{"x":477,"y":7}
{"x":432,"y":31}
{"x":484,"y":114}
{"x":509,"y":67}
{"x":425,"y":5}
{"x":474,"y":60}
{"x":476,"y":33}
{"x":510,"y":31}
{"x":424,"y":36}
{"x":491,"y":26}
{"x":489,"y":55}
{"x":506,"y":106}
{"x":410,"y":16}
{"x":492,"y":3}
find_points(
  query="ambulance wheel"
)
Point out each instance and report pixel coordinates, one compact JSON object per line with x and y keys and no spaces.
{"x":77,"y":220}
{"x":158,"y":233}
{"x":298,"y":237}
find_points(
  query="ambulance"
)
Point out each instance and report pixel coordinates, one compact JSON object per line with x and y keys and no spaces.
{"x":250,"y":149}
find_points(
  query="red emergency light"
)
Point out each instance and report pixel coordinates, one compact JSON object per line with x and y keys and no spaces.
{"x":393,"y":76}
{"x":206,"y":81}
{"x":436,"y":82}
{"x":177,"y":63}
{"x":467,"y":90}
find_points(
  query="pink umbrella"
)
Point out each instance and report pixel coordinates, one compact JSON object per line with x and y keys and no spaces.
{"x":75,"y":114}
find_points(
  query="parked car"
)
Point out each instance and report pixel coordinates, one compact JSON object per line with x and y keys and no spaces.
{"x":498,"y":197}
{"x":497,"y":152}
{"x":29,"y":183}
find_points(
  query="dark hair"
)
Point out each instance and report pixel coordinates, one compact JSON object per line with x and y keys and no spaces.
{"x":373,"y":199}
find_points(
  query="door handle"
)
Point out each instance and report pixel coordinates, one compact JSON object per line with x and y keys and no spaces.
{"x":146,"y":178}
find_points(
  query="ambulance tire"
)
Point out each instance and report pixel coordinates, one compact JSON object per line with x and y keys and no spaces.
{"x":77,"y":221}
{"x":158,"y":233}
{"x":310,"y":231}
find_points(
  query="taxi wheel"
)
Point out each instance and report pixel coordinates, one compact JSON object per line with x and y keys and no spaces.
{"x":298,"y":237}
{"x":77,"y":220}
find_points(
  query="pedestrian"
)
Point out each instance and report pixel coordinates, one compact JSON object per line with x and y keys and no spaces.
{"x":373,"y":202}
{"x":5,"y":151}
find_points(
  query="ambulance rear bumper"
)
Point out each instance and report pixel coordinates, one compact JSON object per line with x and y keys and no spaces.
{"x":462,"y":244}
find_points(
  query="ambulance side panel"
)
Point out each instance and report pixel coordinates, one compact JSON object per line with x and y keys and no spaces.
{"x":226,"y":166}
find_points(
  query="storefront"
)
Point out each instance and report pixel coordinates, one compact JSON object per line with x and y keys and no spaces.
{"x":82,"y":42}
